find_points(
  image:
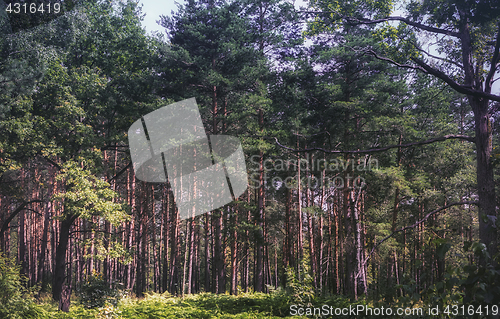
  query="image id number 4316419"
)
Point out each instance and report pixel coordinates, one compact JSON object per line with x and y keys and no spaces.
{"x":456,"y":310}
{"x":18,"y":8}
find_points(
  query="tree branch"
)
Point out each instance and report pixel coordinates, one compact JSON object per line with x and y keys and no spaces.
{"x":495,"y":108}
{"x":407,"y":21}
{"x":52,"y":162}
{"x":357,"y":21}
{"x":374,"y":150}
{"x":408,"y":66}
{"x":424,"y":67}
{"x":6,"y":223}
{"x":437,"y":57}
{"x":121,"y":172}
{"x":454,"y":85}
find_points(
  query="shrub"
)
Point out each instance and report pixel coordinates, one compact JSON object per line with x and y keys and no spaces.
{"x":15,"y":299}
{"x":301,"y":291}
{"x":97,"y":292}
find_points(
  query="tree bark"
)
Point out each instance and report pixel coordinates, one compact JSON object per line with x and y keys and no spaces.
{"x":234,"y":256}
{"x":60,"y":260}
{"x":485,"y":177}
{"x":174,"y":251}
{"x":219,"y":258}
{"x":259,"y":236}
{"x":207,"y":253}
{"x":166,"y":236}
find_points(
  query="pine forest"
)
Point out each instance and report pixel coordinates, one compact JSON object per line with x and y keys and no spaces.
{"x":370,"y":137}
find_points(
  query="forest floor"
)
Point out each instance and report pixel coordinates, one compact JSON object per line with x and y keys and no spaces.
{"x":203,"y":305}
{"x":277,"y":304}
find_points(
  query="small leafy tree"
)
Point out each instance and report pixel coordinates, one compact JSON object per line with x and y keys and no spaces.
{"x":85,"y":196}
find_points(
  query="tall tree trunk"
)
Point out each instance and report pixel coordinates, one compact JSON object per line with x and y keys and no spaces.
{"x":287,"y":247}
{"x":300,"y":222}
{"x":60,"y":259}
{"x":246,"y":251}
{"x":194,"y":264}
{"x":22,"y":242}
{"x":187,"y":239}
{"x":43,"y":245}
{"x":174,"y":251}
{"x":166,"y":236}
{"x":312,"y":250}
{"x":485,"y":177}
{"x":320,"y":249}
{"x":360,"y":279}
{"x":219,"y":258}
{"x":234,"y":255}
{"x":259,"y":235}
{"x":338,"y":245}
{"x":190,"y":269}
{"x":130,"y":229}
{"x":156,"y":263}
{"x":483,"y":141}
{"x":207,"y":253}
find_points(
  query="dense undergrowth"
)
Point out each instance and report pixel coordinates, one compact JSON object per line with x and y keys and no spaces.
{"x":96,"y":299}
{"x":204,"y":305}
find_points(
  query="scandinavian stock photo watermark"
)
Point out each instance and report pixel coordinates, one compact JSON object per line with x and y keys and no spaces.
{"x":314,"y":173}
{"x":205,"y":171}
{"x":355,"y":311}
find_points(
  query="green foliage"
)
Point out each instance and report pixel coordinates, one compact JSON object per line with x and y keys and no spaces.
{"x":482,"y":284}
{"x":87,"y":195}
{"x":15,"y":300}
{"x":474,"y":285}
{"x":255,"y":306}
{"x":299,"y":290}
{"x":97,"y":292}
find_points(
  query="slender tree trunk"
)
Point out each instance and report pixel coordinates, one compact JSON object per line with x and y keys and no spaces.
{"x":219,"y":259}
{"x":246,"y":251}
{"x":195,"y":266}
{"x":156,"y":264}
{"x":234,"y":256}
{"x":187,"y":239}
{"x":207,"y":253}
{"x":287,"y":246}
{"x":191,"y":255}
{"x":300,"y":222}
{"x":129,"y":271}
{"x":312,"y":250}
{"x":259,"y":235}
{"x":338,"y":246}
{"x":22,"y":242}
{"x":174,"y":251}
{"x":166,"y":236}
{"x":360,"y":282}
{"x":43,"y":244}
{"x":320,"y":246}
